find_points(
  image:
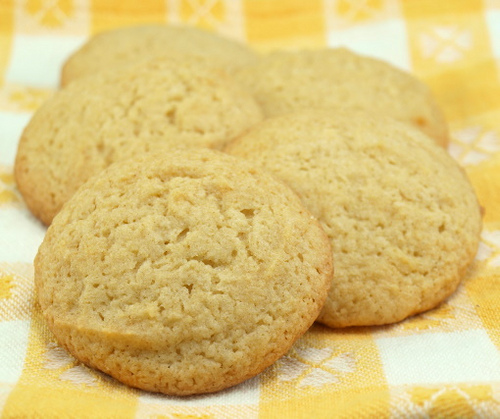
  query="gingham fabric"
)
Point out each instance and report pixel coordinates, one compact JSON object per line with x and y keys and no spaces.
{"x":442,"y":364}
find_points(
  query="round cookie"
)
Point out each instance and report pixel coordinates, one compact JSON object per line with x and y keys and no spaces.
{"x":183,"y":273}
{"x":116,"y":48}
{"x":288,"y":81}
{"x":152,"y":106}
{"x":402,"y":217}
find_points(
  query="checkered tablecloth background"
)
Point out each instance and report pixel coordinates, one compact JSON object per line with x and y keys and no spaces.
{"x":441,"y":364}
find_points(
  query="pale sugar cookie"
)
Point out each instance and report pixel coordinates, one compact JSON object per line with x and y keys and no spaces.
{"x":154,"y":105}
{"x":184,"y":273}
{"x":288,"y":81}
{"x":119,"y":47}
{"x":401,"y":215}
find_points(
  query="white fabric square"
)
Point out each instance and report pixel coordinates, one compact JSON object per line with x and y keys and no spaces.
{"x":20,"y":235}
{"x":385,"y":40}
{"x":493,"y":23}
{"x":11,"y":127}
{"x":13,"y":346}
{"x":37,"y":60}
{"x":435,"y":358}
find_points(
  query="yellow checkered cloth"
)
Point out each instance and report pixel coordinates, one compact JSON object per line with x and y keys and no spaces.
{"x":442,"y":364}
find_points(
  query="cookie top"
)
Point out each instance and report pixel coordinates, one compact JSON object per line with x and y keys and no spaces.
{"x":182,"y":273}
{"x":402,"y":217}
{"x":288,"y":81}
{"x":119,"y":47}
{"x":151,"y":106}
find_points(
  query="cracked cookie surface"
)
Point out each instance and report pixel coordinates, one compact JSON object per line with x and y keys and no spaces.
{"x":151,"y":106}
{"x":185,"y":273}
{"x":120,"y":47}
{"x":402,"y":216}
{"x":289,"y":81}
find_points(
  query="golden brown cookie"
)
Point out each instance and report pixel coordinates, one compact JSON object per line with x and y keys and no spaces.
{"x":288,"y":81}
{"x":402,"y":216}
{"x":151,"y":106}
{"x":119,"y":47}
{"x":182,"y":273}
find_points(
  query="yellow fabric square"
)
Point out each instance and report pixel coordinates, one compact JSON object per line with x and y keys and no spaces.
{"x":50,"y":16}
{"x":6,"y":32}
{"x":115,"y":13}
{"x":324,"y":365}
{"x":56,"y":17}
{"x":165,"y":410}
{"x":54,"y":384}
{"x":452,"y":401}
{"x":457,"y":401}
{"x":366,"y":403}
{"x":417,"y":9}
{"x":347,"y":405}
{"x":48,"y":402}
{"x":341,"y":14}
{"x":284,"y":24}
{"x":465,"y":92}
{"x":489,"y":252}
{"x":486,"y":180}
{"x":488,"y":120}
{"x":446,"y":42}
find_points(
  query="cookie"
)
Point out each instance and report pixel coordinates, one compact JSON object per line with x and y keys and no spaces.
{"x":402,"y":217}
{"x":119,"y":47}
{"x":291,"y":81}
{"x":154,"y":105}
{"x":182,"y":273}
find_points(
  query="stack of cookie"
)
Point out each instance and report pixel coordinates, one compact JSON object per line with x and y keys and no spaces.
{"x":200,"y":197}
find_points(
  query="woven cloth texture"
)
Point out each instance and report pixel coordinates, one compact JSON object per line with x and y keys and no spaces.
{"x":444,"y":363}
